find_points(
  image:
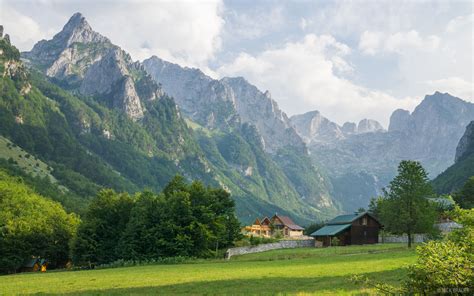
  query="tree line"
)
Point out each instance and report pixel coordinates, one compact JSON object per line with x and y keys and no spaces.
{"x":185,"y":219}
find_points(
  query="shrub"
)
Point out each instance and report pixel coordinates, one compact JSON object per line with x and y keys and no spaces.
{"x":441,"y":267}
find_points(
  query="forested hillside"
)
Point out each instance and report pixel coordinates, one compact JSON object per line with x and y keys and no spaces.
{"x":85,"y":141}
{"x":456,"y":175}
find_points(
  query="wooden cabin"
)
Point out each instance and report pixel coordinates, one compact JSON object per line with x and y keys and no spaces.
{"x":353,"y":229}
{"x":286,"y":226}
{"x":260,"y":228}
{"x":269,"y":227}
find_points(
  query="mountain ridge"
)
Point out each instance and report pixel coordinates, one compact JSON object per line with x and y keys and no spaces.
{"x":104,"y":76}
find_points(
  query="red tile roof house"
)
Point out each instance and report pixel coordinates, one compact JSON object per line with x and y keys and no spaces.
{"x":277,"y":224}
{"x":286,"y":226}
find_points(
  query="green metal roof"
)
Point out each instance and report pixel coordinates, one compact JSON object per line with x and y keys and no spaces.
{"x":330,"y":230}
{"x":344,"y":219}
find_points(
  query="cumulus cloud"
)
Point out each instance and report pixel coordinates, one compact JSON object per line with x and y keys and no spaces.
{"x":303,"y":75}
{"x":23,"y":30}
{"x":187,"y":32}
{"x":460,"y":23}
{"x":400,"y":42}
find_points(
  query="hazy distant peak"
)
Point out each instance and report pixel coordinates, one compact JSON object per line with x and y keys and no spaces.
{"x":369,"y":126}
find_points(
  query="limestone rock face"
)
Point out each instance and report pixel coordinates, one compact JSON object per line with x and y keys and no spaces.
{"x":259,"y":109}
{"x":201,"y":98}
{"x":88,"y":62}
{"x":224,"y":103}
{"x":312,"y":126}
{"x":129,"y":100}
{"x":315,"y":128}
{"x":466,"y":144}
{"x":369,"y":126}
{"x":400,"y":121}
{"x":76,"y":30}
{"x":371,"y":155}
{"x":349,"y":128}
{"x":233,"y":106}
{"x":103,"y":75}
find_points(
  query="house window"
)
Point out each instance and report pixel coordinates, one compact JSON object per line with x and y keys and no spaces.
{"x":364,"y":221}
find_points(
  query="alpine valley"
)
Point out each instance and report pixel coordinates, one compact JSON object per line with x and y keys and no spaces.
{"x":78,"y":114}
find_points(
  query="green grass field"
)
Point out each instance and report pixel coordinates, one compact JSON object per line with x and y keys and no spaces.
{"x":292,"y":271}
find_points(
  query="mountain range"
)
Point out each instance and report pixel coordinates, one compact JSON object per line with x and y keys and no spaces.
{"x":131,"y":127}
{"x":80,"y":106}
{"x":361,"y":159}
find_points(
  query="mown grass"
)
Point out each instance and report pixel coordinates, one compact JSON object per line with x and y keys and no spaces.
{"x":295,"y":271}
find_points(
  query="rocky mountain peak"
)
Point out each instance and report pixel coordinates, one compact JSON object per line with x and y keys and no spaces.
{"x":313,"y":127}
{"x":224,"y":103}
{"x":88,"y":62}
{"x":77,"y":29}
{"x":400,"y":120}
{"x":369,"y":126}
{"x":349,"y":128}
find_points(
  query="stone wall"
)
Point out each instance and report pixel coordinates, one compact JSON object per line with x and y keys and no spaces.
{"x":284,"y":244}
{"x":417,"y":238}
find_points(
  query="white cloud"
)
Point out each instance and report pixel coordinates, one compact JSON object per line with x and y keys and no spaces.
{"x":187,"y":32}
{"x":255,"y":23}
{"x":460,"y":23}
{"x":370,"y":42}
{"x":454,"y":85}
{"x":302,"y":76}
{"x":401,"y":42}
{"x":23,"y":30}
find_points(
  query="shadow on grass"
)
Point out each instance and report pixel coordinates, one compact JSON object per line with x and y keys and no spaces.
{"x":261,"y":286}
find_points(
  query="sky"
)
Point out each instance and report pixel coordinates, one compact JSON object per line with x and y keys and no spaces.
{"x":348,"y":59}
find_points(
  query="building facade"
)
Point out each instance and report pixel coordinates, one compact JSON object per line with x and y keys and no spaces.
{"x":353,"y":229}
{"x":277,"y":225}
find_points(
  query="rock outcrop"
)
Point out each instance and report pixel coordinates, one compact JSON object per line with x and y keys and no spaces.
{"x":466,"y":144}
{"x":371,"y":155}
{"x":312,"y":126}
{"x":87,"y":61}
{"x":224,"y":103}
{"x":369,"y":126}
{"x":400,"y":121}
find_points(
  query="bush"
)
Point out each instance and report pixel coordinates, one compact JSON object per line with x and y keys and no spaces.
{"x":254,"y":241}
{"x":441,"y":267}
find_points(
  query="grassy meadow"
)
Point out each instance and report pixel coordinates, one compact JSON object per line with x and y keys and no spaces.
{"x":25,"y":161}
{"x":305,"y":271}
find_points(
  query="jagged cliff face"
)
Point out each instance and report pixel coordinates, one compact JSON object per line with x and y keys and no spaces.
{"x":466,"y":145}
{"x":315,"y":128}
{"x":454,"y":177}
{"x":224,"y":103}
{"x":83,"y":59}
{"x":369,"y":154}
{"x":312,"y":126}
{"x":222,"y":142}
{"x":201,"y":98}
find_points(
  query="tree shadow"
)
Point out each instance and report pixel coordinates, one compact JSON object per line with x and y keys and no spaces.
{"x":265,"y":285}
